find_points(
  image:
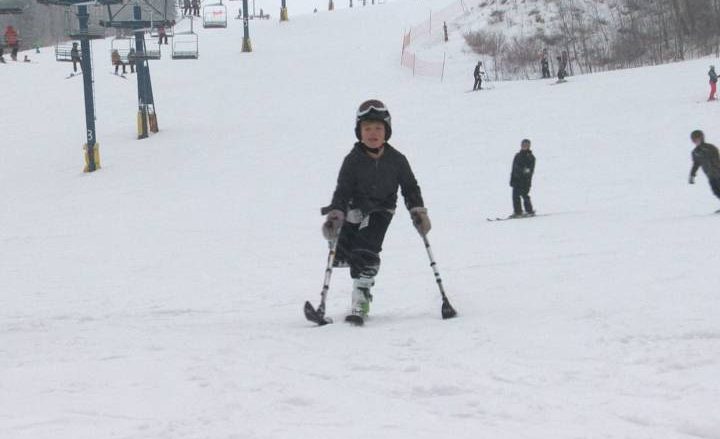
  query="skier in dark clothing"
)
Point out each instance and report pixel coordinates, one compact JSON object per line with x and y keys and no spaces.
{"x":75,"y":57}
{"x":713,"y":83}
{"x":365,"y":200}
{"x":523,"y":169}
{"x":545,"y":66}
{"x":477,"y":74}
{"x":707,"y":157}
{"x":562,"y":68}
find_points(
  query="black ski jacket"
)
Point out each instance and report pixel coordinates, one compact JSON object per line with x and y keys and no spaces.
{"x":713,"y":76}
{"x":371,"y":184}
{"x":523,"y":169}
{"x":706,"y":156}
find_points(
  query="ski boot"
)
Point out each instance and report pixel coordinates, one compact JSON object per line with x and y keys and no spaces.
{"x":361,"y":299}
{"x":515,"y":215}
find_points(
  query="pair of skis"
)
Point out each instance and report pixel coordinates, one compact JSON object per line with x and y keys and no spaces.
{"x":317,"y":315}
{"x":514,"y":217}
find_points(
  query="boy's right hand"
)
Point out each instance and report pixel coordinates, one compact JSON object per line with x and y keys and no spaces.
{"x":332,"y":225}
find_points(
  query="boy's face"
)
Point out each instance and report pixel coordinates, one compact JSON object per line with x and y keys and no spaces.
{"x":372,"y":134}
{"x":697,"y":140}
{"x":525,"y":146}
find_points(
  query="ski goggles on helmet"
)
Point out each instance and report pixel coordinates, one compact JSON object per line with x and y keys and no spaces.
{"x":370,"y":106}
{"x":373,"y":110}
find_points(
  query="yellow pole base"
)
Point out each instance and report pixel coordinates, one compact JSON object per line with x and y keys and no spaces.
{"x":152,"y":118}
{"x":283,"y":14}
{"x":94,"y":164}
{"x":247,"y":45}
{"x":142,"y":129}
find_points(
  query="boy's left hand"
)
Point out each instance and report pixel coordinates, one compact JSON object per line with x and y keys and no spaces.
{"x":420,"y":219}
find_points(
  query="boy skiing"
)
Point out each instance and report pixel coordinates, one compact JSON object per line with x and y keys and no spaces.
{"x":705,"y":156}
{"x":713,"y":83}
{"x":523,"y":168}
{"x":365,"y":199}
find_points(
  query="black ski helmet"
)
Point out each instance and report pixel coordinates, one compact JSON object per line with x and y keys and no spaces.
{"x":373,"y":110}
{"x":697,"y":135}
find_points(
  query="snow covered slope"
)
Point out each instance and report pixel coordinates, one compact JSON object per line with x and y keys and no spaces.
{"x":162,"y":296}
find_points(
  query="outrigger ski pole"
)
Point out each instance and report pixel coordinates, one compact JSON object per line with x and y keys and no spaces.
{"x":447,"y":311}
{"x":317,"y":315}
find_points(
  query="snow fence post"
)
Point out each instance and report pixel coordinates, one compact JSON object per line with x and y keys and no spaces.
{"x":414,"y":56}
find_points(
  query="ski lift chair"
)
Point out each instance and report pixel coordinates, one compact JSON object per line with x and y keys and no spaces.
{"x":185,"y":46}
{"x":215,"y":16}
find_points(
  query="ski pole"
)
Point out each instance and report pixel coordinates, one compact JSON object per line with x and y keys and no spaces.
{"x":318,"y":315}
{"x":446,"y":310}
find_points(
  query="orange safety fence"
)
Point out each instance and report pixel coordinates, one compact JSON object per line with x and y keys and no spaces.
{"x":429,"y":30}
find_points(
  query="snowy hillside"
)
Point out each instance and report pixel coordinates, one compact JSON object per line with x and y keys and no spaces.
{"x":161,"y":297}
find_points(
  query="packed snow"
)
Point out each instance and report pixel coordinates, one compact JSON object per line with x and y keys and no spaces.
{"x":161,"y":297}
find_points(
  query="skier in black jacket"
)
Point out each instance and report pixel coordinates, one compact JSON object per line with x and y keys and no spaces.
{"x":365,"y":199}
{"x":523,"y":169}
{"x":477,"y":74}
{"x":705,"y":156}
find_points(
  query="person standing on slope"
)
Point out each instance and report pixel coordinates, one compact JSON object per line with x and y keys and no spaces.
{"x":365,"y":200}
{"x":523,"y":168}
{"x":479,"y":71}
{"x":713,"y":83}
{"x":707,"y":157}
{"x":562,"y":68}
{"x":75,"y":57}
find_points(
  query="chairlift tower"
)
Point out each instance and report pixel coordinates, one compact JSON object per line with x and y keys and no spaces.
{"x":146,"y":117}
{"x":246,"y":44}
{"x":283,"y":11}
{"x":84,"y":33}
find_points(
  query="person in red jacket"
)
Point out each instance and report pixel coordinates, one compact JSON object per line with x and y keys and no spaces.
{"x":12,"y":41}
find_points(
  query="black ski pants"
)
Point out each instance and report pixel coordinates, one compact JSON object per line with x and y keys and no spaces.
{"x":715,"y":186}
{"x":360,"y":244}
{"x":478,"y":83}
{"x":521,"y":195}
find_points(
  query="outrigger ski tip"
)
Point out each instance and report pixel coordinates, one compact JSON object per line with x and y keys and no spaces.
{"x":447,"y":310}
{"x":314,"y":316}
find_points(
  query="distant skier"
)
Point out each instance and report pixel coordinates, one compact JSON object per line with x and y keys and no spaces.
{"x":523,"y":168}
{"x":196,"y":7}
{"x":132,"y":59}
{"x":12,"y":41}
{"x":562,"y":68}
{"x":713,"y":83}
{"x":545,"y":65}
{"x":707,"y":157}
{"x":365,"y":200}
{"x":75,"y":57}
{"x":162,"y":36}
{"x":187,"y":6}
{"x":117,"y":61}
{"x":478,"y":74}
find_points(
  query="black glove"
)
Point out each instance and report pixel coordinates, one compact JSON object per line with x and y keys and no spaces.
{"x":692,"y":179}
